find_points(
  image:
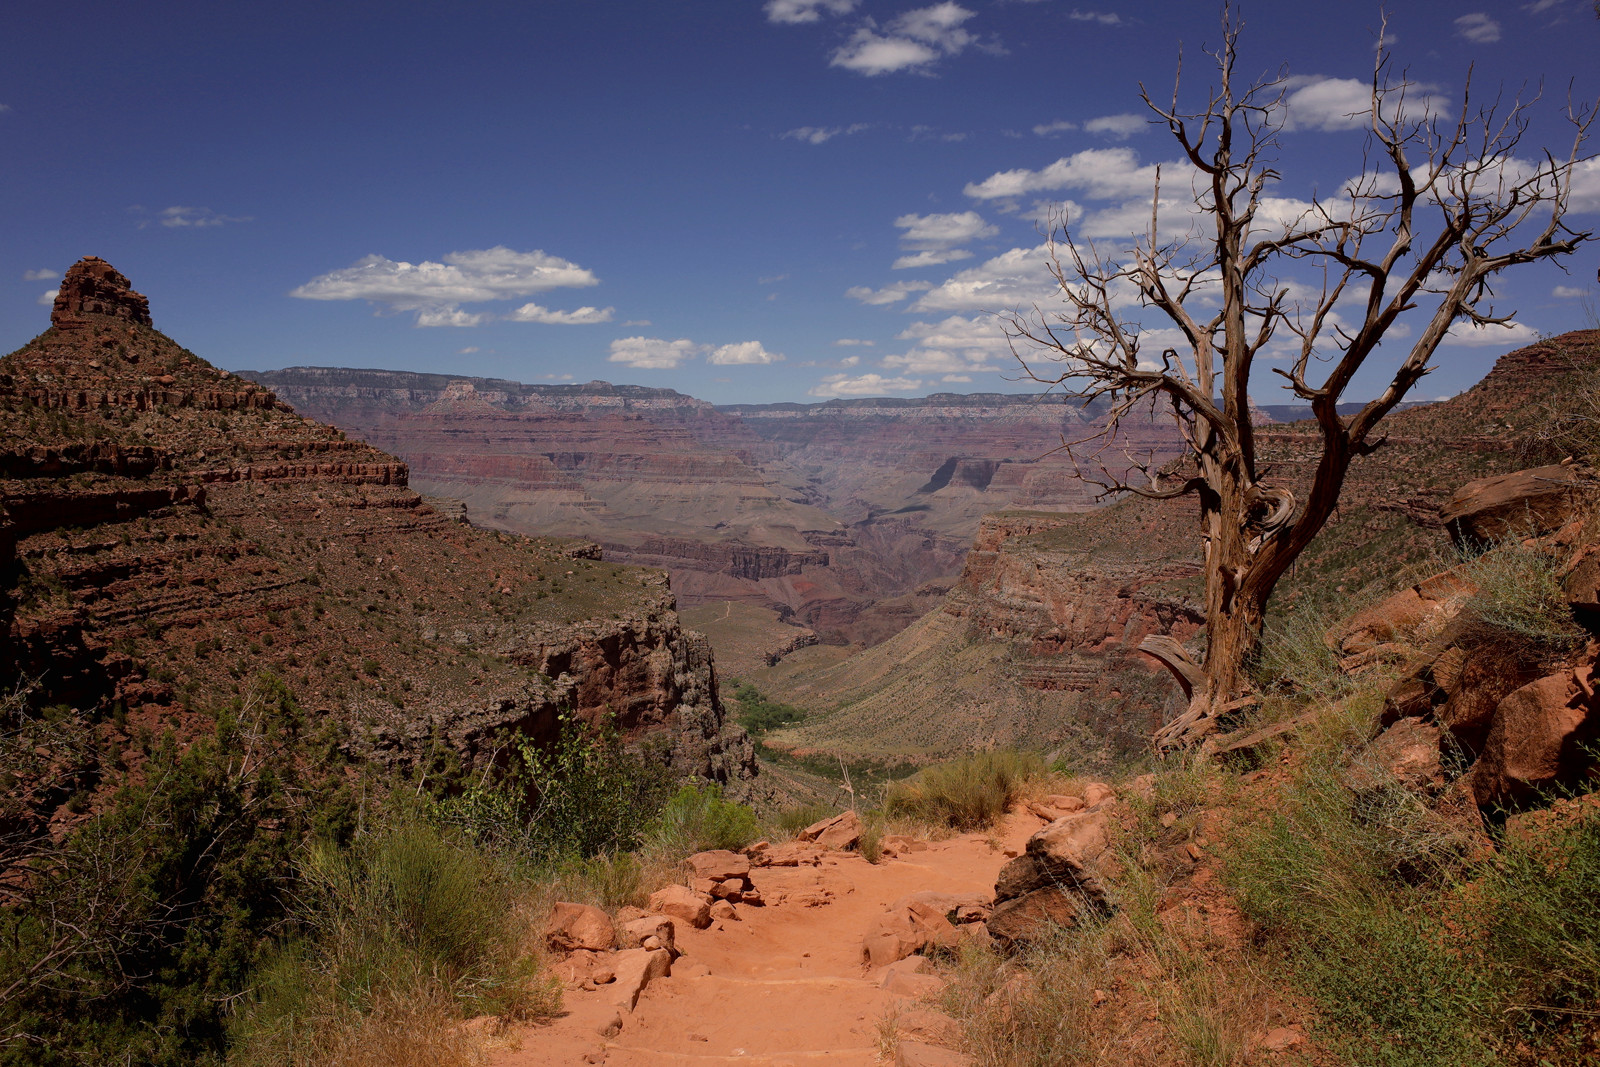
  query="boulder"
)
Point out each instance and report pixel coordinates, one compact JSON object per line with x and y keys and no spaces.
{"x":1537,"y":741}
{"x":1409,"y":615}
{"x":722,"y":911}
{"x":1024,"y":918}
{"x":910,"y":925}
{"x":579,"y":926}
{"x":719,"y":865}
{"x":790,"y":854}
{"x":681,"y":902}
{"x":1097,"y":793}
{"x":843,"y":831}
{"x":635,"y":932}
{"x":931,"y":1027}
{"x":636,"y":968}
{"x":1409,"y":753}
{"x":1526,"y":503}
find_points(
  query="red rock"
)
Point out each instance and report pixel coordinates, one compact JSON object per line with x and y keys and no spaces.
{"x":634,"y":933}
{"x":94,"y":287}
{"x":842,"y":831}
{"x":1280,"y":1039}
{"x":908,"y":926}
{"x":1424,"y":608}
{"x":579,"y":926}
{"x":1536,"y":741}
{"x":1525,"y":503}
{"x":681,"y":902}
{"x":636,"y":968}
{"x":719,"y":865}
{"x":723,"y":911}
{"x":917,"y":1054}
{"x":1097,"y":793}
{"x":1024,"y":918}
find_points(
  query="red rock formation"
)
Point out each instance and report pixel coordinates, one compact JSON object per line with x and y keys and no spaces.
{"x":171,"y":531}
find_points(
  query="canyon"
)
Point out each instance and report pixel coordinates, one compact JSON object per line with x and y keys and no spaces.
{"x":176,"y":540}
{"x":847,"y":517}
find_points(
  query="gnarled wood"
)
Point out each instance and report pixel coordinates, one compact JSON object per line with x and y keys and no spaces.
{"x":1175,"y":658}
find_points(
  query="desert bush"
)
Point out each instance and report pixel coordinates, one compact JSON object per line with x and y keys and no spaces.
{"x":697,"y":817}
{"x":1333,"y":877}
{"x":969,"y":793}
{"x":1518,"y":606}
{"x":758,"y":715}
{"x":789,"y":821}
{"x":584,"y":795}
{"x":1541,"y":925}
{"x":1294,"y":655}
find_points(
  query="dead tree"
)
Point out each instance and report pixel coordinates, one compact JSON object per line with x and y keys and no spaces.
{"x":1439,"y":208}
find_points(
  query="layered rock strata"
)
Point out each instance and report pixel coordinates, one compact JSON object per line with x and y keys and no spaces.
{"x":171,"y":532}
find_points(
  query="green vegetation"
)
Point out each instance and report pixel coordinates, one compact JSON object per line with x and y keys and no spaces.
{"x":968,"y":793}
{"x":1518,"y":606}
{"x":758,"y":715}
{"x":251,"y":902}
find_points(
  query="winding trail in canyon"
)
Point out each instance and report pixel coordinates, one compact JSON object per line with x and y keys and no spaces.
{"x":783,"y":985}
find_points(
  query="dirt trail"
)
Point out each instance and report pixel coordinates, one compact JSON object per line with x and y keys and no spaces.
{"x":786,"y":985}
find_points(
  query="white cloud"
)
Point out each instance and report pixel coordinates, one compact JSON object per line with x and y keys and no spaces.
{"x":943,"y":230}
{"x":4,"y":108}
{"x":1105,"y":18}
{"x":956,"y":378}
{"x":584,"y":316}
{"x":930,"y":258}
{"x":1560,"y":292}
{"x":850,"y":361}
{"x":864,"y":385}
{"x":743,"y":353}
{"x":772,"y":279}
{"x":195,"y":217}
{"x":1478,"y":28}
{"x":1101,"y":173}
{"x":821,"y":134}
{"x":1018,"y":277}
{"x":48,"y":297}
{"x":435,"y":290}
{"x":467,"y":351}
{"x":40,"y":275}
{"x":914,"y":40}
{"x":847,"y":342}
{"x":1471,"y":335}
{"x":889,"y":294}
{"x":956,"y":345}
{"x":450,"y":317}
{"x":1121,"y":127}
{"x":1050,"y":129}
{"x":653,"y":353}
{"x":798,"y":11}
{"x":637,"y":322}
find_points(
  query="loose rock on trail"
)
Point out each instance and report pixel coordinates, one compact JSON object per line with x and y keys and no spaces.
{"x":781,"y":983}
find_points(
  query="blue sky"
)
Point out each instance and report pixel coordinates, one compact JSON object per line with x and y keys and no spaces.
{"x":747,"y":200}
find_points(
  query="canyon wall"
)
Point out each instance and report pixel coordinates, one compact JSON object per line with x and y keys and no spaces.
{"x":170,"y":533}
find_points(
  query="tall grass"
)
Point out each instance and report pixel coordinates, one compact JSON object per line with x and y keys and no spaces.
{"x":967,"y":794}
{"x":1518,"y":606}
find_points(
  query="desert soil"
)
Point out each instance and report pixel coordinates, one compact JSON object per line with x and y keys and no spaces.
{"x":784,"y":985}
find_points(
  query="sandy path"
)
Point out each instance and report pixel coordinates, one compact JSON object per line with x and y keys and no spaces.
{"x":786,"y":985}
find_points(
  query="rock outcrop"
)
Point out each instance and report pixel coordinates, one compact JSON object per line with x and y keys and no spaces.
{"x":172,"y":533}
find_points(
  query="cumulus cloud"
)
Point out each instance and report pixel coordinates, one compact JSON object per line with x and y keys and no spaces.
{"x":912,"y":41}
{"x":850,"y":342}
{"x":849,"y":361}
{"x":743,"y":353}
{"x":47,"y":298}
{"x":653,"y":353}
{"x":793,"y":12}
{"x":863,"y":385}
{"x":1471,"y":335}
{"x":1120,"y":127}
{"x":1560,"y":292}
{"x":436,"y":290}
{"x":1101,"y":173}
{"x":943,"y":230}
{"x":822,"y":134}
{"x":955,"y":345}
{"x":1051,"y":129}
{"x":889,"y":294}
{"x":584,"y":316}
{"x":1018,"y":277}
{"x":467,"y":351}
{"x":1478,"y":28}
{"x":450,"y":317}
{"x":40,"y":275}
{"x":930,"y":258}
{"x":1104,"y":18}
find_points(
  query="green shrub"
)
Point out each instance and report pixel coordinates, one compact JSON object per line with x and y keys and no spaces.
{"x":1519,"y":606}
{"x":1294,"y":655}
{"x":697,"y":818}
{"x":758,"y":715}
{"x":969,"y":793}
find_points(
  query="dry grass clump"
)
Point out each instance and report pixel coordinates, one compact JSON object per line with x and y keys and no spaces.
{"x":970,"y":793}
{"x":1519,"y":606}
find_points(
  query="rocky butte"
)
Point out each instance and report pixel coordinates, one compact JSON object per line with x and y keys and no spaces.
{"x":170,"y":531}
